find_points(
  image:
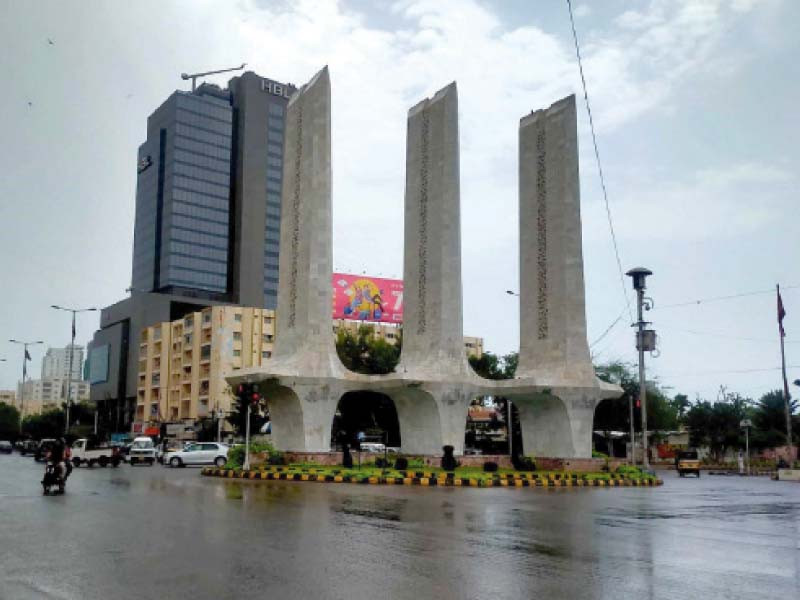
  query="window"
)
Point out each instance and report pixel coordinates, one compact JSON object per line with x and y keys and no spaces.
{"x":237,"y":336}
{"x":276,"y":109}
{"x":237,"y":317}
{"x":266,"y":354}
{"x":237,"y":353}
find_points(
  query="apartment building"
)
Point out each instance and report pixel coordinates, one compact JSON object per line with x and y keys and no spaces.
{"x":183,"y":363}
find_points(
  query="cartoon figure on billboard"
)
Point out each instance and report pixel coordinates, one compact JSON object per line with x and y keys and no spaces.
{"x":366,"y":301}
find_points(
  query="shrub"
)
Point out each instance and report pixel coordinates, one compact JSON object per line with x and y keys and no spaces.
{"x":596,"y":454}
{"x":448,"y":460}
{"x":381,"y":463}
{"x":489,"y":466}
{"x":525,"y":463}
{"x":401,"y":463}
{"x":236,"y":454}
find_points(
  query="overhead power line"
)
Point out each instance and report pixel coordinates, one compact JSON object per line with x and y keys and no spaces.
{"x":599,"y":165}
{"x":726,"y":372}
{"x":721,"y":298}
{"x":728,"y":337}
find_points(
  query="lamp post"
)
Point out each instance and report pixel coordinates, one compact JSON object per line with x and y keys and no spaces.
{"x":25,"y":358}
{"x":508,"y":407}
{"x":639,"y":275}
{"x":746,"y":424}
{"x":74,"y":311}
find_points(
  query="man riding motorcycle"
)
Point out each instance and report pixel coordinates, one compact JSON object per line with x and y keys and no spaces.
{"x":56,"y":471}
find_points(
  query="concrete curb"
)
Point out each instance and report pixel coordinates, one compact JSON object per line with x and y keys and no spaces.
{"x":427,"y":479}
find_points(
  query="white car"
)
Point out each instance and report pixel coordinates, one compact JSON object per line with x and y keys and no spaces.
{"x":198,"y":453}
{"x":142,"y":451}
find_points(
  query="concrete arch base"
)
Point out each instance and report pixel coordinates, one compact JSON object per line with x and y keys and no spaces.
{"x":432,"y":416}
{"x":301,"y":412}
{"x":557,"y":425}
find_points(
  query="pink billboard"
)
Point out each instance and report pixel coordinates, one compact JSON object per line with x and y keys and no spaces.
{"x":364,"y":298}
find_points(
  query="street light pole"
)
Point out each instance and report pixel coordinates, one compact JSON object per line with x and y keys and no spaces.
{"x":25,"y":358}
{"x":639,"y":275}
{"x":71,"y":351}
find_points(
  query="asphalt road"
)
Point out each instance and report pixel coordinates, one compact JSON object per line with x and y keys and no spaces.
{"x":155,"y":532}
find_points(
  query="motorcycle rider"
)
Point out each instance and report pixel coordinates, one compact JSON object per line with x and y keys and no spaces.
{"x":56,"y":458}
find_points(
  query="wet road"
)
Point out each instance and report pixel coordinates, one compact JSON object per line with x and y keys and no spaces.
{"x":163,"y":533}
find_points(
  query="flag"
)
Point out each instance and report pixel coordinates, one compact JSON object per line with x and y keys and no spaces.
{"x":73,"y":328}
{"x":27,"y":355}
{"x":781,"y":314}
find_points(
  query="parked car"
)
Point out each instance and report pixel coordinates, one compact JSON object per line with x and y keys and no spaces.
{"x":198,"y":453}
{"x":142,"y":451}
{"x":6,"y":447}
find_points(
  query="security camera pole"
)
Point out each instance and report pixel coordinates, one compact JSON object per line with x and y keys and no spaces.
{"x":639,"y":275}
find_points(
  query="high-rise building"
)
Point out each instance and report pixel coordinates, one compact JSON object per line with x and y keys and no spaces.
{"x":56,"y":363}
{"x":208,"y":193}
{"x":207,"y":222}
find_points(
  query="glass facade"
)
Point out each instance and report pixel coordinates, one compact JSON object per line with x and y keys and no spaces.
{"x":184,"y":231}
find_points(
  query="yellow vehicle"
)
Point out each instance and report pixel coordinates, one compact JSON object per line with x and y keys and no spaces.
{"x":687,"y":461}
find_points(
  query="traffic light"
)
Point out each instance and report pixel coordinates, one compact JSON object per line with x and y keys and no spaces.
{"x":248,"y":393}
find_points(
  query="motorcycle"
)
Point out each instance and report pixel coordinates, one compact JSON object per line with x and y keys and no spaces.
{"x":55,"y":476}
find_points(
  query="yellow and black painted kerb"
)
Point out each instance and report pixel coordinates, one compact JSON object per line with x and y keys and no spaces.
{"x":426,"y":478}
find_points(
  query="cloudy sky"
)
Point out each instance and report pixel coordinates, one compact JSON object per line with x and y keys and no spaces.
{"x":695,"y":106}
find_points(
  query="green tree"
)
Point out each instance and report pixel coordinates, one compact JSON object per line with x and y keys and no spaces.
{"x":238,"y":417}
{"x":9,"y":422}
{"x":769,"y":421}
{"x":366,"y":354}
{"x":49,"y":424}
{"x":716,"y":425}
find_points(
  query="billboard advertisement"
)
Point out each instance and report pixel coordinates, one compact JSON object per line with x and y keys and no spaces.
{"x":365,"y":298}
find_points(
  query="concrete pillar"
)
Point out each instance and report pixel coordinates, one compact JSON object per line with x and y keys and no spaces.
{"x":552,"y":304}
{"x":557,"y":426}
{"x":303,"y":337}
{"x":433,"y":325}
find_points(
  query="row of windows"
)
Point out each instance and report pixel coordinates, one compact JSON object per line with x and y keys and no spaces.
{"x":270,"y":245}
{"x":199,"y":135}
{"x":220,"y":191}
{"x":203,"y":149}
{"x":274,"y":173}
{"x":273,"y":212}
{"x":274,"y":199}
{"x":275,"y":230}
{"x":273,"y":186}
{"x":202,"y":174}
{"x":275,"y":149}
{"x":213,"y":253}
{"x":274,"y":161}
{"x":275,"y":135}
{"x":200,"y":160}
{"x":200,"y":226}
{"x":214,"y":284}
{"x":271,"y":280}
{"x":276,"y":109}
{"x":275,"y":123}
{"x":198,"y":121}
{"x":201,"y":265}
{"x":270,"y":262}
{"x":205,"y":106}
{"x":199,"y":212}
{"x":192,"y":236}
{"x":271,"y":254}
{"x":212,"y":202}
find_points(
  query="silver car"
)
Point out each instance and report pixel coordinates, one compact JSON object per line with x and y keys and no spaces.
{"x":198,"y":453}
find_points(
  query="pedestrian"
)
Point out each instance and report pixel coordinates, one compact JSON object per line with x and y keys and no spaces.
{"x":741,"y":462}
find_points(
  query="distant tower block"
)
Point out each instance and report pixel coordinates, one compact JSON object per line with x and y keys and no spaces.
{"x":306,"y":265}
{"x":433,"y":322}
{"x":552,"y":305}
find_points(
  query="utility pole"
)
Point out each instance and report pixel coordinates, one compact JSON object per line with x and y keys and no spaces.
{"x":71,"y":351}
{"x":787,"y":397}
{"x":25,"y":358}
{"x":633,"y":434}
{"x":645,"y":340}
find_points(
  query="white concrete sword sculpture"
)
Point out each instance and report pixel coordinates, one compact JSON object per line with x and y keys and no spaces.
{"x":555,"y":388}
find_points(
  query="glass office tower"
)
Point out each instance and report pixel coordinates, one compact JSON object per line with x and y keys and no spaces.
{"x":209,"y":193}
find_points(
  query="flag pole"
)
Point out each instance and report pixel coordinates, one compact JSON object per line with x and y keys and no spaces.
{"x":787,"y":399}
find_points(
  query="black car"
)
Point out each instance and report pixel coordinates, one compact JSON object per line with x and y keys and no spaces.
{"x":6,"y":447}
{"x":43,"y":449}
{"x":27,"y":447}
